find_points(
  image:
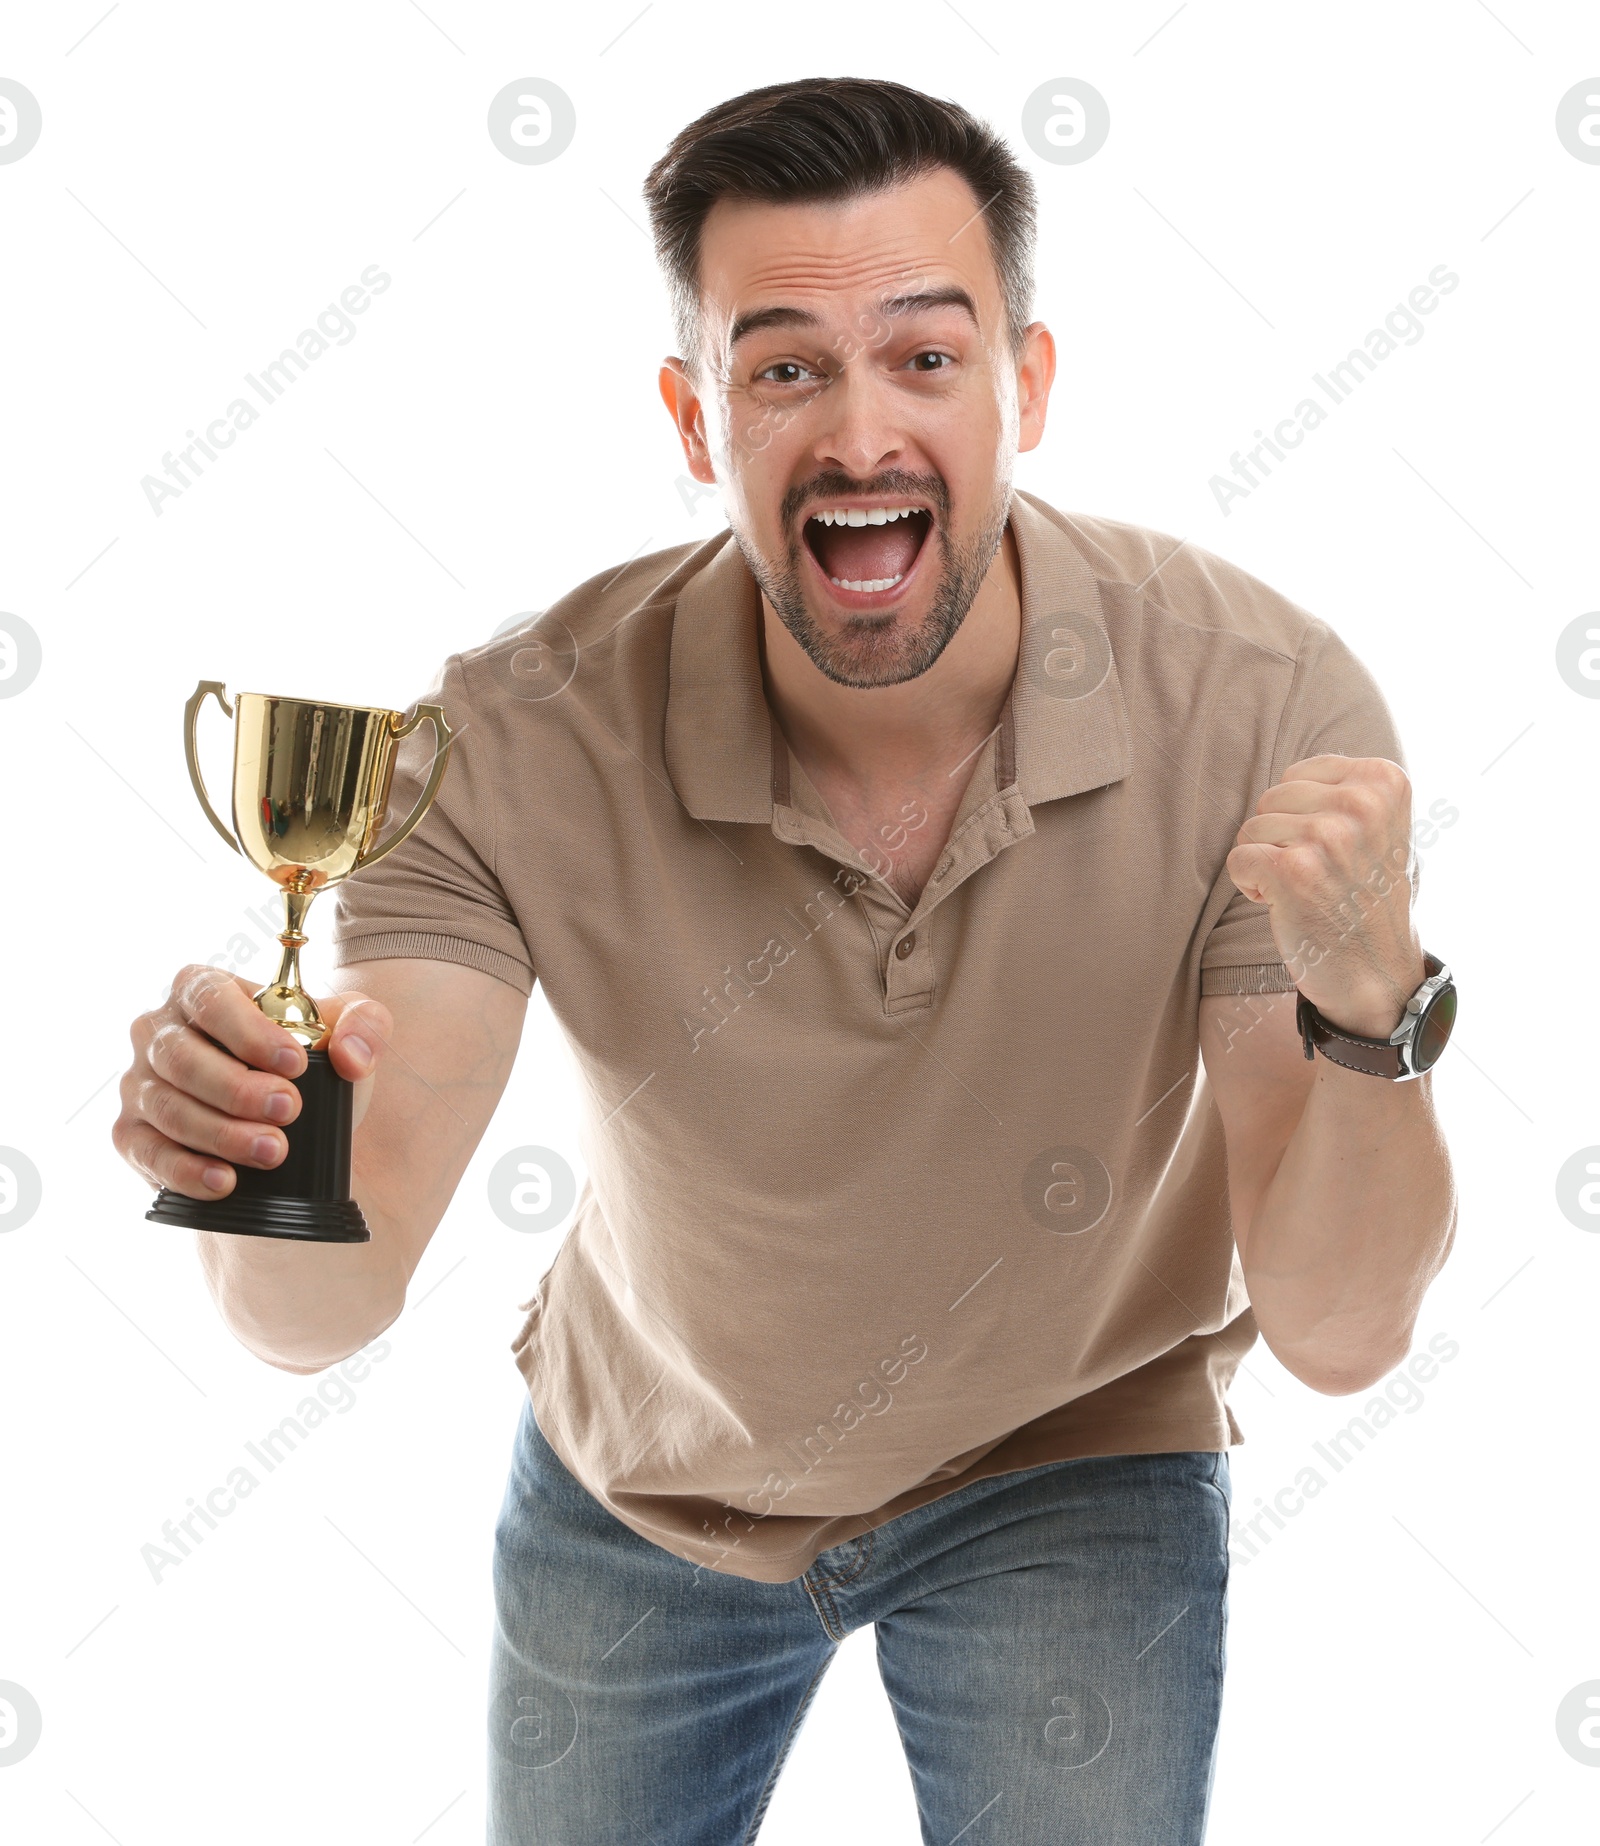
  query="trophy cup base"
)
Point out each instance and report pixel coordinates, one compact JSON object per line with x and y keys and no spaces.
{"x":312,"y":1220}
{"x":307,"y":1195}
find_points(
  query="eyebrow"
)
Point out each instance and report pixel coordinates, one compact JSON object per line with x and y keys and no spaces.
{"x":759,"y":319}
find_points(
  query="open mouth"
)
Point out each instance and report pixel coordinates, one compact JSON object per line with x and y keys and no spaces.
{"x":867,"y":554}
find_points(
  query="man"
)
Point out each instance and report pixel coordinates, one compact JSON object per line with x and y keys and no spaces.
{"x":892,"y":862}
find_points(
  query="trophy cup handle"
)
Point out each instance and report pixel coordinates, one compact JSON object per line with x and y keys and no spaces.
{"x":191,"y":713}
{"x":444,"y":737}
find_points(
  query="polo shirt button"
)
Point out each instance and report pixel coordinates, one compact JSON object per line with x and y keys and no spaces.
{"x":905,"y":945}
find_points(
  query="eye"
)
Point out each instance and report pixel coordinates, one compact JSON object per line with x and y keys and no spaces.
{"x":783,"y":365}
{"x":944,"y":362}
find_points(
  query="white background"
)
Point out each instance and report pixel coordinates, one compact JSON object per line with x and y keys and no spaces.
{"x":1276,"y":180}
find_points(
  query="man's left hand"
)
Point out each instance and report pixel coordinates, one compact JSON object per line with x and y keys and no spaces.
{"x":1328,"y":850}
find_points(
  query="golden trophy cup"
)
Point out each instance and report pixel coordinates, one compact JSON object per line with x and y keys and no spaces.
{"x":310,"y":790}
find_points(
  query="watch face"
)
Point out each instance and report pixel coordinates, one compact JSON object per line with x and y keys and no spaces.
{"x":1433,"y":1031}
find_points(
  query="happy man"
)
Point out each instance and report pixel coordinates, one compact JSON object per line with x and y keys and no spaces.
{"x":922,"y":877}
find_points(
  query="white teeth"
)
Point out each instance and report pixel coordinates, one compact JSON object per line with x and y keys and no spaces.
{"x":866,"y":516}
{"x":872,"y":583}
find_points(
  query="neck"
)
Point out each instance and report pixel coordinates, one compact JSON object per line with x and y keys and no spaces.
{"x":882,"y":734}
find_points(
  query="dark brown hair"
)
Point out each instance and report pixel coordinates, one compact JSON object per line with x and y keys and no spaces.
{"x":823,"y":138}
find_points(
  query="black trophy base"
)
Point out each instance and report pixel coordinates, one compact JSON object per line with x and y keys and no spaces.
{"x":307,"y":1195}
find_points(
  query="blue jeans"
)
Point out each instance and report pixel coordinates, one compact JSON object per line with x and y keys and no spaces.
{"x":1052,"y":1642}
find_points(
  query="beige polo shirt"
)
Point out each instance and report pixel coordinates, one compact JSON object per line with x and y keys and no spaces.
{"x":881,"y":1201}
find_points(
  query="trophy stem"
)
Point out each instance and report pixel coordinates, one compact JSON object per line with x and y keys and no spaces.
{"x":283,"y":998}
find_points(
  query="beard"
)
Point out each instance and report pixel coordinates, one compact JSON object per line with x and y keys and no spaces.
{"x":873,"y":650}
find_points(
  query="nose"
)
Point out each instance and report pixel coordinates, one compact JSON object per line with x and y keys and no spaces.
{"x":860,"y":432}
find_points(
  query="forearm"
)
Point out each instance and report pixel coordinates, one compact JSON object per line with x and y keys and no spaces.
{"x":1354,"y":1225}
{"x":304,"y":1306}
{"x":417,"y":1121}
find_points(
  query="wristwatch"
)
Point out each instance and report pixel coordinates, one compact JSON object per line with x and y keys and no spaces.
{"x":1410,"y":1049}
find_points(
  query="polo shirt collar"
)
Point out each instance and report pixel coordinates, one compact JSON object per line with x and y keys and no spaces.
{"x":721,"y":739}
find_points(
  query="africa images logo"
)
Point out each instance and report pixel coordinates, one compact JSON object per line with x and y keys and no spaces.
{"x":333,"y":325}
{"x":335,"y":1395}
{"x":1401,"y":327}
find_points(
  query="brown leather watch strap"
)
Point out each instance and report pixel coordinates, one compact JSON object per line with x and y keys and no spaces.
{"x":1376,"y":1057}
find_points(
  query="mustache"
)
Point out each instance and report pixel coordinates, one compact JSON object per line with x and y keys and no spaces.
{"x":926,"y":489}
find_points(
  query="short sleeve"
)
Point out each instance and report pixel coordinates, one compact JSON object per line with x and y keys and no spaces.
{"x":436,"y":896}
{"x":1334,"y":708}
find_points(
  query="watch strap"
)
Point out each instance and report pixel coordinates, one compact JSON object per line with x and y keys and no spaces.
{"x":1376,"y":1057}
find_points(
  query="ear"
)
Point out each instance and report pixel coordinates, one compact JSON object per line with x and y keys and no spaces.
{"x":1035,"y":374}
{"x":683,"y":403}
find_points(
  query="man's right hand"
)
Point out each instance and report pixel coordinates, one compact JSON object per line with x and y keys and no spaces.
{"x":210,"y":1086}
